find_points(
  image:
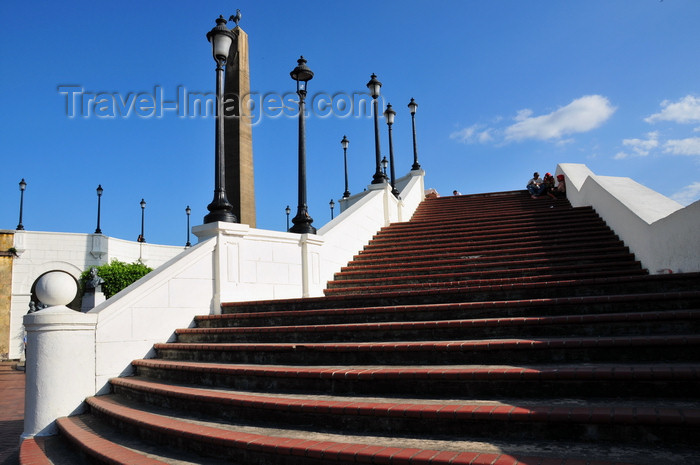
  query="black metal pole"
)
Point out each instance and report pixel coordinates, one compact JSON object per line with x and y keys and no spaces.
{"x":345,"y":141}
{"x":378,"y":177}
{"x":142,"y":238}
{"x":394,"y":190}
{"x":187,"y":212}
{"x":220,"y":208}
{"x":302,"y":221}
{"x":99,"y":198}
{"x":332,"y":204}
{"x":412,"y":105}
{"x":22,"y":187}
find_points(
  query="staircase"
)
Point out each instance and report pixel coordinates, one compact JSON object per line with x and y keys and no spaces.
{"x":490,"y":329}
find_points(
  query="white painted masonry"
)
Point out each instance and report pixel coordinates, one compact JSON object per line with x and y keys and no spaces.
{"x":39,"y":252}
{"x":60,"y":347}
{"x":663,"y":235}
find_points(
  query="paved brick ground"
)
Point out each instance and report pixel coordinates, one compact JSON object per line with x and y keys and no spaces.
{"x":11,"y":412}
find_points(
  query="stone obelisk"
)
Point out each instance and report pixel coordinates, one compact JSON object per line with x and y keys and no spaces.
{"x":238,"y":134}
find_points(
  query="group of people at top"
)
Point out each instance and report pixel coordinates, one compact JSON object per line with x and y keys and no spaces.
{"x":538,"y":186}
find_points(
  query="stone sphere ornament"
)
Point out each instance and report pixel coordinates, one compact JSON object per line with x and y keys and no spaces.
{"x":56,"y":288}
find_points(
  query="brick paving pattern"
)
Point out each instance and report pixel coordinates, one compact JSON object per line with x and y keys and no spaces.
{"x":11,"y":412}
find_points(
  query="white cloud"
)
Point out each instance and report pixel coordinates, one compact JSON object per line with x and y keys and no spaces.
{"x":688,"y":194}
{"x":523,"y":114}
{"x":465,"y":135}
{"x":639,"y":147}
{"x":689,"y":146}
{"x":686,"y":110}
{"x":474,"y":133}
{"x":581,"y":115}
{"x":486,"y":136}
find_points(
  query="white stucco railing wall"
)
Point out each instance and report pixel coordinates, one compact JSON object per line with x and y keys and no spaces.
{"x":412,"y":188}
{"x":661,"y":233}
{"x":253,"y":264}
{"x":149,"y":311}
{"x":361,"y":218}
{"x":41,"y":251}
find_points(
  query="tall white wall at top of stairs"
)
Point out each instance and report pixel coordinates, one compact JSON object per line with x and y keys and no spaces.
{"x":661,"y":233}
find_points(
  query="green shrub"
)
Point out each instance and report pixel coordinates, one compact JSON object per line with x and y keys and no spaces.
{"x":116,"y":275}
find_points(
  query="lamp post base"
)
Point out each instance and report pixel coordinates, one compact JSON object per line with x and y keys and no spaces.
{"x":302,"y":229}
{"x":302,"y":225}
{"x":220,"y":215}
{"x":379,"y":178}
{"x":220,"y":209}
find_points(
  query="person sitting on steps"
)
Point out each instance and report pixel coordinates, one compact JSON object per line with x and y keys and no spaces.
{"x":548,"y":184}
{"x":535,"y":186}
{"x":561,"y":187}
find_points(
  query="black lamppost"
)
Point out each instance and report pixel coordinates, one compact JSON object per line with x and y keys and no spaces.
{"x":389,"y":114}
{"x":385,"y":163}
{"x":302,"y":222}
{"x":412,"y":105}
{"x":99,"y":198}
{"x":187,"y":212}
{"x":22,"y":187}
{"x":374,"y":85}
{"x":332,"y":204}
{"x":345,"y":142}
{"x":141,"y":237}
{"x":288,"y":211}
{"x":220,"y":209}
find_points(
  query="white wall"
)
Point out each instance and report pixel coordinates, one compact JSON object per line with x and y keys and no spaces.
{"x":40,"y":252}
{"x":361,"y":218}
{"x":661,"y":233}
{"x":149,"y":311}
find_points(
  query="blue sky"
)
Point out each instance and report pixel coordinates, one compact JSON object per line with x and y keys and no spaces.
{"x":504,"y":87}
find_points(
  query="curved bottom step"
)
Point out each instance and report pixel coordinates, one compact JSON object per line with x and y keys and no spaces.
{"x":255,"y":445}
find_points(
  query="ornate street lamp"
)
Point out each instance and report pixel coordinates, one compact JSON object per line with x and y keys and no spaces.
{"x":288,"y":211}
{"x":22,"y":187}
{"x":141,"y":237}
{"x":332,"y":204}
{"x":220,"y":209}
{"x":302,"y":221}
{"x":374,"y":85}
{"x":99,"y":198}
{"x":345,"y":142}
{"x":412,"y":105}
{"x":385,"y":163}
{"x":187,"y":212}
{"x":389,"y":114}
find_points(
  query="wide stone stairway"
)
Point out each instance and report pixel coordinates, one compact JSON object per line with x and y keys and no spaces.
{"x":490,"y":329}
